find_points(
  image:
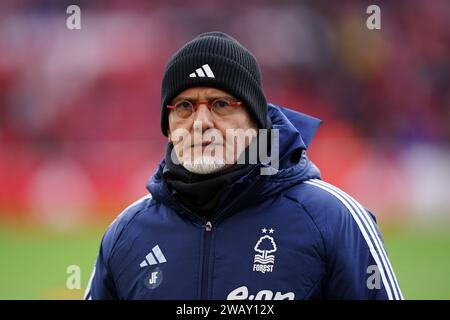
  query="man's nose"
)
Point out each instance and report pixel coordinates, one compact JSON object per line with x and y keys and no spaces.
{"x":204,"y":115}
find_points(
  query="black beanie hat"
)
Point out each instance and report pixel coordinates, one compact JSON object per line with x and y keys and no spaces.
{"x":214,"y":59}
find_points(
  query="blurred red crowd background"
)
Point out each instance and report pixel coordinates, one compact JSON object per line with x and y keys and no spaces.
{"x":79,"y":109}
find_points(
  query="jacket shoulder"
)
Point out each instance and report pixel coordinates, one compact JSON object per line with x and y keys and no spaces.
{"x":319,"y":198}
{"x":332,"y":209}
{"x":120,"y":223}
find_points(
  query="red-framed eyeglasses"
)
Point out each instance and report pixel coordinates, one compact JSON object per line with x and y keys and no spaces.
{"x":218,"y":106}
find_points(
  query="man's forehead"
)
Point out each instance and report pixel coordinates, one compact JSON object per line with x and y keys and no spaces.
{"x":202,"y":92}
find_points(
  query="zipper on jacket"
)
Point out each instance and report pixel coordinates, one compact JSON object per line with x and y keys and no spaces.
{"x":206,"y":250}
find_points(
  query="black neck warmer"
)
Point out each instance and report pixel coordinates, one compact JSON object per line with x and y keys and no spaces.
{"x":201,"y":193}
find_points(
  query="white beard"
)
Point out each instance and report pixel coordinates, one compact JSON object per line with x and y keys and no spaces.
{"x":206,"y":165}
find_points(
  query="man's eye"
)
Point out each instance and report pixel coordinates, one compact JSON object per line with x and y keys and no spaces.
{"x":184,"y":105}
{"x":221,"y":103}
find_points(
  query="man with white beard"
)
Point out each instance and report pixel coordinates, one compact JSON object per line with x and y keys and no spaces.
{"x":236,"y":209}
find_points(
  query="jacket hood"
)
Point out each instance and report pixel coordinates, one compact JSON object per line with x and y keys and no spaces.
{"x":296,"y":131}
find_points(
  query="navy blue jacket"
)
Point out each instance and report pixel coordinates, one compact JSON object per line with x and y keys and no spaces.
{"x":285,"y":236}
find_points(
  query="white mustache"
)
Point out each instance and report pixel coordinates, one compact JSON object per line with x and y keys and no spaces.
{"x":204,"y":144}
{"x":204,"y":165}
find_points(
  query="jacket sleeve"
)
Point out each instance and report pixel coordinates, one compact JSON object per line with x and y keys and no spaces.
{"x":359,"y":267}
{"x":101,"y":284}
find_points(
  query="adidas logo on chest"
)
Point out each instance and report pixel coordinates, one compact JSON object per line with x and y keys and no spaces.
{"x":153,"y":257}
